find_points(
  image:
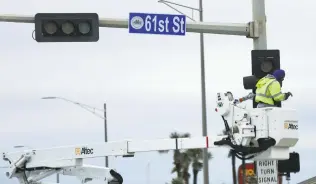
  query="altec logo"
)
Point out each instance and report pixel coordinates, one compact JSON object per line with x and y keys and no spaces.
{"x":291,"y":125}
{"x":83,"y":151}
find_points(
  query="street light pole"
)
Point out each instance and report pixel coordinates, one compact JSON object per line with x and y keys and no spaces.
{"x":92,"y":110}
{"x":203,"y":94}
{"x":57,"y":178}
{"x":148,"y":172}
{"x":105,"y":135}
{"x":203,"y":88}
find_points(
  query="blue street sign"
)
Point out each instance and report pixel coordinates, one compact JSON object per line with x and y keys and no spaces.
{"x":164,"y":24}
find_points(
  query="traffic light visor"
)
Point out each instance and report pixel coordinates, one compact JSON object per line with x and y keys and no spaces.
{"x":267,"y":66}
{"x":50,"y":27}
{"x":68,"y":27}
{"x":250,"y":82}
{"x":84,"y":27}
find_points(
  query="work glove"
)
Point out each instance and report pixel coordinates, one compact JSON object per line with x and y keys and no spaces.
{"x":287,"y":95}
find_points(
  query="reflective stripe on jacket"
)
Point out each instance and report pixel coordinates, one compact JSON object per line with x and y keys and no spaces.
{"x":268,"y":90}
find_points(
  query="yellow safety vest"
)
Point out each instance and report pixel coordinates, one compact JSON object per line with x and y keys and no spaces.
{"x":268,"y":91}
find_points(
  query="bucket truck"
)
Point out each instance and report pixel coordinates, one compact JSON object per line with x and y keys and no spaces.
{"x":258,"y":134}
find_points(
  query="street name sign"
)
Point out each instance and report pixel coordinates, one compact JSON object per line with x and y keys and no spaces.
{"x":162,"y":24}
{"x":267,"y":171}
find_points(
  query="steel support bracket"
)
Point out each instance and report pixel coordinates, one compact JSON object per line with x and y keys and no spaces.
{"x":253,"y":29}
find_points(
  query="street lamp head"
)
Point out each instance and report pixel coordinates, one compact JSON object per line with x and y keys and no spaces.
{"x":19,"y":146}
{"x":49,"y":97}
{"x":22,"y":146}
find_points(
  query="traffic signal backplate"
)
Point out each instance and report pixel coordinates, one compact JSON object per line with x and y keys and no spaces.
{"x":66,"y":27}
{"x":264,"y":62}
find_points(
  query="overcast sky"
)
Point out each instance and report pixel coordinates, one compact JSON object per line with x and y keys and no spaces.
{"x":151,"y":83}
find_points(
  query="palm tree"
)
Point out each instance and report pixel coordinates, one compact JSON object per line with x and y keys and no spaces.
{"x":177,"y":156}
{"x":197,"y":164}
{"x":185,"y":162}
{"x":177,"y":181}
{"x":233,"y":159}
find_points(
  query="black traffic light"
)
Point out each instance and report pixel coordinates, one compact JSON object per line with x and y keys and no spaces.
{"x":66,"y":27}
{"x":263,"y":62}
{"x":250,"y":82}
{"x":292,"y":165}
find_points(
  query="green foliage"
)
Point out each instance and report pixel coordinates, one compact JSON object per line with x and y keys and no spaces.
{"x":177,"y":181}
{"x":182,"y":160}
{"x":233,"y":159}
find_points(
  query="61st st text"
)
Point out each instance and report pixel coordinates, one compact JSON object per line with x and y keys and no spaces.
{"x":152,"y":24}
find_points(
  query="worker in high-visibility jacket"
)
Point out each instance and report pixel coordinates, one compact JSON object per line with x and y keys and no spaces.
{"x":269,"y":90}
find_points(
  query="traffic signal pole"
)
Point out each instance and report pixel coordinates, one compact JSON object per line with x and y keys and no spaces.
{"x":260,"y":43}
{"x":255,"y":29}
{"x":258,"y":14}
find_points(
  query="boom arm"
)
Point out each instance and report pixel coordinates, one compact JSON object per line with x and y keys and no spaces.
{"x":35,"y":164}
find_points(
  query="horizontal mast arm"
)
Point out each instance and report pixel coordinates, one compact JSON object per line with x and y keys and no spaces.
{"x":239,"y":29}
